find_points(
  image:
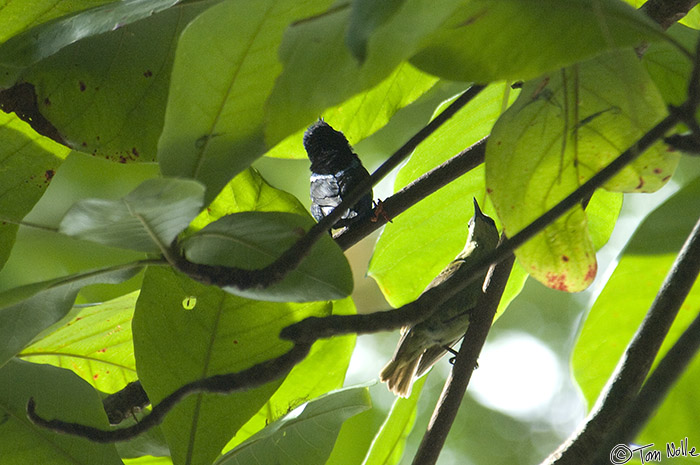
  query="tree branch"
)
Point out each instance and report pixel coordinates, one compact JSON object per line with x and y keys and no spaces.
{"x":667,"y":12}
{"x":289,"y":260}
{"x":656,"y":387}
{"x":456,"y":384}
{"x":254,"y":376}
{"x":623,"y":387}
{"x":438,"y":177}
{"x":313,"y":328}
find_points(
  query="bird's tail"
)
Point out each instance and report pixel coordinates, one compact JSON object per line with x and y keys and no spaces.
{"x":398,"y":375}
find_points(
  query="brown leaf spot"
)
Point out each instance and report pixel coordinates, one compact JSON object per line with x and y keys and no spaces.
{"x":48,"y":174}
{"x":658,"y":170}
{"x":592,"y":270}
{"x":82,"y":86}
{"x":564,"y":258}
{"x":21,"y":99}
{"x":641,"y":183}
{"x":135,"y":152}
{"x":148,"y":73}
{"x":557,"y":281}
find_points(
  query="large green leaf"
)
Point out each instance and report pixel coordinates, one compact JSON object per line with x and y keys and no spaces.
{"x":323,"y":370}
{"x":320,"y":71}
{"x":46,"y":39}
{"x":625,"y":300}
{"x":668,"y":67}
{"x":16,"y":17}
{"x":388,"y":445}
{"x":147,"y":220}
{"x":106,"y":95}
{"x":564,"y":128}
{"x":529,"y":40}
{"x":417,"y":245}
{"x":253,"y":240}
{"x":306,"y":435}
{"x":58,"y":393}
{"x":27,"y":166}
{"x":185,"y":331}
{"x":26,"y":311}
{"x":366,"y":112}
{"x":248,"y":191}
{"x":214,"y":119}
{"x":41,"y":254}
{"x":96,"y":345}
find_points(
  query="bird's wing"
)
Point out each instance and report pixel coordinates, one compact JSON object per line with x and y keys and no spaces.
{"x":445,"y":274}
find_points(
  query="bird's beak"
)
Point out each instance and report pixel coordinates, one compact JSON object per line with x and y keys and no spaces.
{"x":477,"y":210}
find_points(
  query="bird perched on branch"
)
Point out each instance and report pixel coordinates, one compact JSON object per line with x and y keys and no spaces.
{"x":335,"y":171}
{"x":423,"y":344}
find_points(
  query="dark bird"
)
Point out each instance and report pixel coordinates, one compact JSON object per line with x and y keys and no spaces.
{"x":335,"y":171}
{"x":423,"y":344}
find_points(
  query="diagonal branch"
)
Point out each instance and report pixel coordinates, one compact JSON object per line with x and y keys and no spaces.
{"x":456,"y":384}
{"x":254,"y":376}
{"x":289,"y":260}
{"x":624,"y":384}
{"x":657,"y":386}
{"x":313,"y":328}
{"x":416,"y":191}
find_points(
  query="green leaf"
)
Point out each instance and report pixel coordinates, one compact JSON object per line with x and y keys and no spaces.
{"x":16,"y":17}
{"x":185,"y":331}
{"x":306,"y":435}
{"x":365,"y":18}
{"x":323,"y":370}
{"x":253,"y":240}
{"x":28,"y":165}
{"x":146,"y":220}
{"x":215,"y":114}
{"x":96,"y":345}
{"x":668,"y":67}
{"x":106,"y":95}
{"x":321,"y":72}
{"x":365,"y":113}
{"x":409,"y":253}
{"x":58,"y":394}
{"x":43,"y":41}
{"x":40,"y":254}
{"x":564,"y":128}
{"x":28,"y":310}
{"x":248,"y":191}
{"x":592,"y":26}
{"x":388,"y":445}
{"x":626,"y":298}
{"x":602,"y":213}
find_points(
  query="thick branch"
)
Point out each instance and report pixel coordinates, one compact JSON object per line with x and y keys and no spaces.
{"x":289,"y":260}
{"x":254,"y":376}
{"x":314,"y":328}
{"x":618,"y":395}
{"x":667,"y":12}
{"x":456,"y":385}
{"x":657,"y":386}
{"x":416,"y":191}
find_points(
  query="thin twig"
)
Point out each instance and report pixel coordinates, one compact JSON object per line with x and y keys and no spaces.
{"x":414,"y":192}
{"x":290,"y":259}
{"x":254,"y":376}
{"x":582,"y":447}
{"x":456,"y":385}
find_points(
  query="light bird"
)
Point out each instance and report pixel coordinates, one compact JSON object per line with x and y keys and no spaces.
{"x":423,"y":344}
